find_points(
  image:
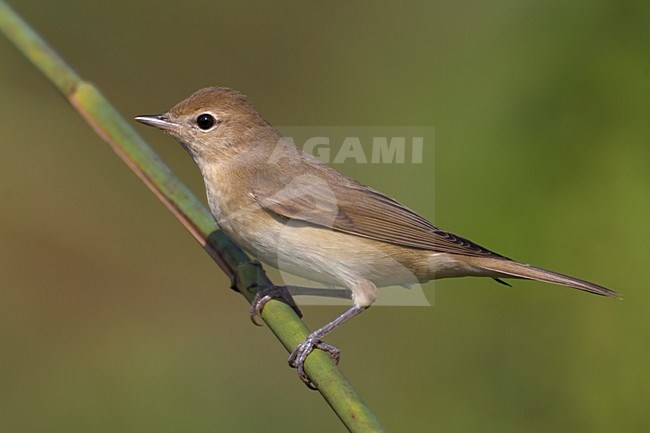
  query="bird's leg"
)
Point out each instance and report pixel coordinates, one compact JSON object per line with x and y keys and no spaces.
{"x":314,"y":341}
{"x":325,"y":292}
{"x":286,"y":293}
{"x":265,"y":293}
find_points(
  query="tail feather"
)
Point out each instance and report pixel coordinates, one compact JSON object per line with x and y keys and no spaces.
{"x":508,"y":268}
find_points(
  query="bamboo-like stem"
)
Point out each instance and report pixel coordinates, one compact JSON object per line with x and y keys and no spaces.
{"x":160,"y":179}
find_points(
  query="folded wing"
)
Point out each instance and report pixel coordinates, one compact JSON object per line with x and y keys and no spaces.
{"x":336,"y":202}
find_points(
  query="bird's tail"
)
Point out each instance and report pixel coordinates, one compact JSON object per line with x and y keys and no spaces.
{"x":508,"y":268}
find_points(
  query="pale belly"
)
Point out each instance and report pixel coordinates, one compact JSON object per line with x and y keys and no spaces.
{"x":332,"y":257}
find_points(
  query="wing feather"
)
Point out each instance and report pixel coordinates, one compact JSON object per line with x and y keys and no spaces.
{"x":333,"y":201}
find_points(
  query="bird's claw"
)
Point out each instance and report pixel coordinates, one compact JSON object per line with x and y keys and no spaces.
{"x":302,"y":351}
{"x":256,"y":306}
{"x":264,"y":295}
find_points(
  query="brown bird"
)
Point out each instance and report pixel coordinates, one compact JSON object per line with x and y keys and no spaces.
{"x":295,"y":213}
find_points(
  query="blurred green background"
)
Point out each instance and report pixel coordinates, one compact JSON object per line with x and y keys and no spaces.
{"x":113,"y":319}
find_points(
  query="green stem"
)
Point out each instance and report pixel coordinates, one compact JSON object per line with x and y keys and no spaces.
{"x":148,"y":166}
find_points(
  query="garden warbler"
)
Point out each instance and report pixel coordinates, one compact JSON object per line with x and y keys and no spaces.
{"x":292,"y":211}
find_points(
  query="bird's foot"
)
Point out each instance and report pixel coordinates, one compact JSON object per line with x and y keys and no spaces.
{"x":264,"y":294}
{"x":300,"y":353}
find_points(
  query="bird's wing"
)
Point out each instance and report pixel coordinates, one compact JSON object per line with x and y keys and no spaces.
{"x":336,"y":202}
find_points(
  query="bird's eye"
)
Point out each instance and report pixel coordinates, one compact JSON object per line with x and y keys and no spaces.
{"x":205,"y":121}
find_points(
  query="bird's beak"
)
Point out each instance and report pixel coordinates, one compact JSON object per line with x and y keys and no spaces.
{"x":160,"y":121}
